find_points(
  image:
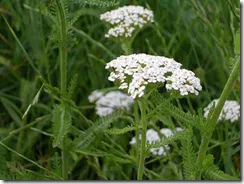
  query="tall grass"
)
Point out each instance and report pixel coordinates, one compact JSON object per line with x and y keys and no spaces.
{"x":198,"y":34}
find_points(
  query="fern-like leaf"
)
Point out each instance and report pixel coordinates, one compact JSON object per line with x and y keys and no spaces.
{"x":72,"y":85}
{"x":188,"y":155}
{"x":61,"y":123}
{"x":118,"y":131}
{"x":99,"y":3}
{"x":213,"y":173}
{"x":163,"y":106}
{"x":166,"y":140}
{"x":56,"y":165}
{"x":85,"y":140}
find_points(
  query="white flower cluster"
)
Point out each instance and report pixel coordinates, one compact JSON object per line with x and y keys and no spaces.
{"x":230,"y":111}
{"x":135,"y":71}
{"x":153,"y":136}
{"x":125,"y":20}
{"x":107,"y":103}
{"x":94,"y":96}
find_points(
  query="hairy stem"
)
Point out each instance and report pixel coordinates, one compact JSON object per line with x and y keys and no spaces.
{"x":143,"y":141}
{"x":63,"y":69}
{"x":211,"y":123}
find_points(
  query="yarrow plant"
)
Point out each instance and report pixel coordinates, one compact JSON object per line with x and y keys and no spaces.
{"x":152,"y":136}
{"x":91,"y":147}
{"x":107,"y":103}
{"x":126,"y":20}
{"x":136,"y":71}
{"x":230,"y":111}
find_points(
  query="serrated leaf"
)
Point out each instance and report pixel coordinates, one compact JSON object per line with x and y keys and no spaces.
{"x":166,"y":140}
{"x":61,"y":123}
{"x":88,"y":137}
{"x":56,"y":165}
{"x":72,"y":85}
{"x":117,"y":131}
{"x":188,"y":155}
{"x":208,"y":161}
{"x":213,"y":173}
{"x":163,"y":106}
{"x":100,"y":3}
{"x":95,"y":153}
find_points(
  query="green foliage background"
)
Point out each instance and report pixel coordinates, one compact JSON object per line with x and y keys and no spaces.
{"x":198,"y":34}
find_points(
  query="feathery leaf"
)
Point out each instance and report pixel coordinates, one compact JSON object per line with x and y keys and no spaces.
{"x":118,"y":131}
{"x":101,"y":124}
{"x":99,"y":3}
{"x":166,"y":140}
{"x":61,"y":123}
{"x":163,"y":106}
{"x":188,"y":155}
{"x":72,"y":85}
{"x":213,"y":173}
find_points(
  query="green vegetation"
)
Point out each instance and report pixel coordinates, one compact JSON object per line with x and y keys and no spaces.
{"x":53,"y":55}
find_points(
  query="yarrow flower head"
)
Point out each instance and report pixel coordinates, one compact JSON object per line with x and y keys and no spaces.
{"x":125,"y":20}
{"x":136,"y":71}
{"x":107,"y":103}
{"x":152,"y":136}
{"x":230,"y":111}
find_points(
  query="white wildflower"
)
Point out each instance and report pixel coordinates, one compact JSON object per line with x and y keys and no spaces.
{"x":179,"y":129}
{"x":125,"y":20}
{"x":166,"y":132}
{"x":133,"y":141}
{"x":152,"y":136}
{"x":136,"y":71}
{"x":95,"y":95}
{"x":107,"y":103}
{"x":230,"y":111}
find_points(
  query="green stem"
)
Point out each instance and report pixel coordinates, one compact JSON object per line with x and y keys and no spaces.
{"x":126,"y":46}
{"x":64,"y":162}
{"x":63,"y":69}
{"x":137,"y":124}
{"x":211,"y":123}
{"x":63,"y":47}
{"x":143,"y":141}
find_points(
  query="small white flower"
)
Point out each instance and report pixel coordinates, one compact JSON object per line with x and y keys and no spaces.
{"x":125,"y":20}
{"x":230,"y":111}
{"x":107,"y":103}
{"x":179,"y":129}
{"x":133,"y":141}
{"x":166,"y":132}
{"x":139,"y":70}
{"x":95,"y":95}
{"x":152,"y":136}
